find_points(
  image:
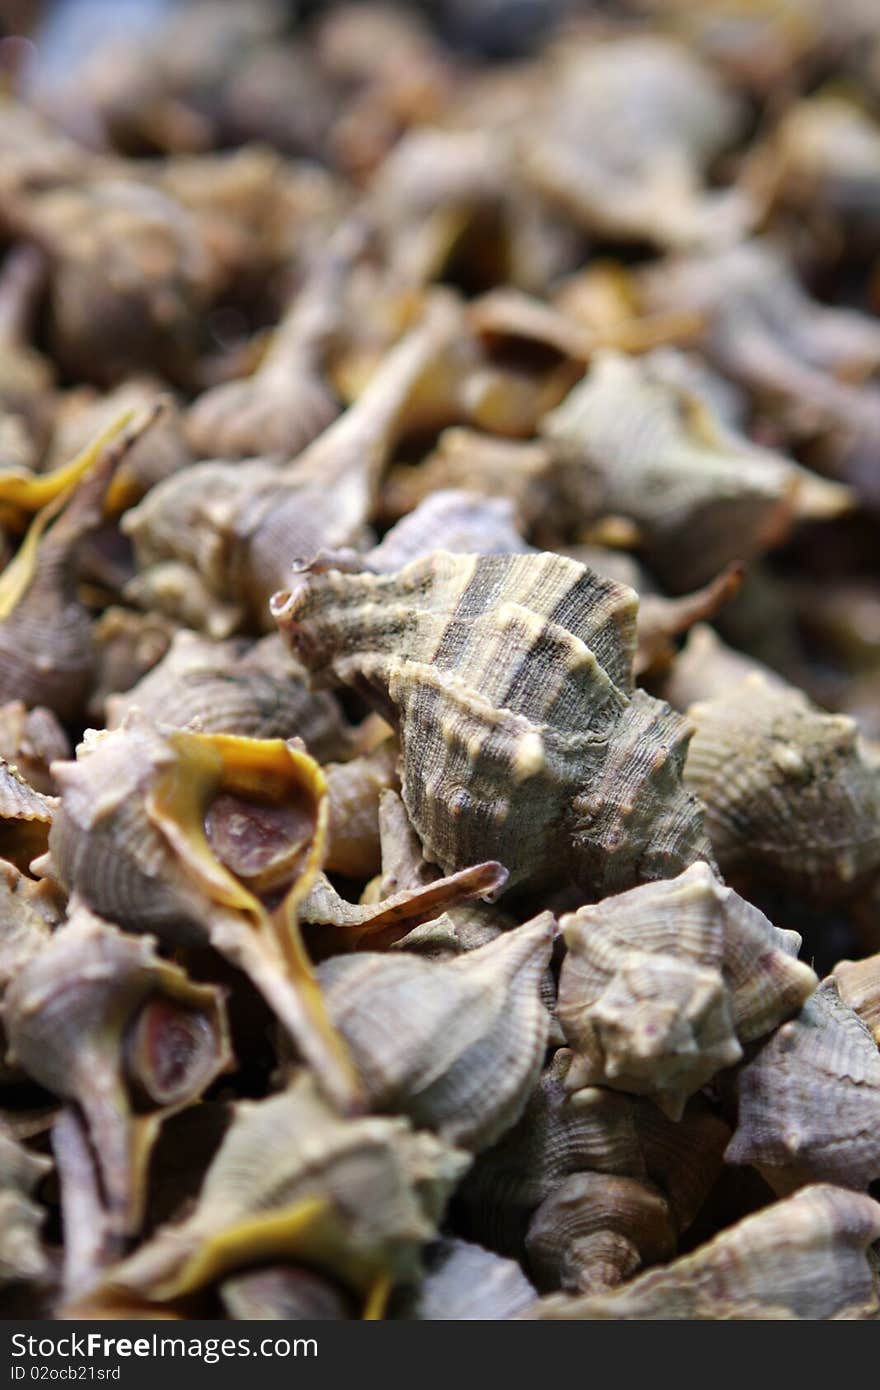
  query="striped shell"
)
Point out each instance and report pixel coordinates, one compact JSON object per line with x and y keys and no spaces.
{"x":522,"y":738}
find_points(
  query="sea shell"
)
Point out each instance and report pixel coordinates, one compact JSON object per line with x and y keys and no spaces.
{"x":83,"y":414}
{"x":516,"y":470}
{"x":596,"y":1230}
{"x":128,"y":277}
{"x":791,"y":799}
{"x":809,"y":1102}
{"x":233,"y":530}
{"x":561,"y":1133}
{"x":127,"y":645}
{"x":628,"y":128}
{"x":707,"y":669}
{"x":285,"y":1292}
{"x":46,"y":653}
{"x":629,"y":442}
{"x":662,"y":985}
{"x":235,"y":688}
{"x":464,"y":1282}
{"x":286,"y":403}
{"x":23,"y":1258}
{"x":804,"y":1258}
{"x":28,"y":912}
{"x":196,"y":837}
{"x":469,"y":1034}
{"x":354,"y":1199}
{"x":858,"y":983}
{"x":31,"y":739}
{"x":451,"y":519}
{"x":522,"y":740}
{"x":99,"y":1019}
{"x":25,"y":817}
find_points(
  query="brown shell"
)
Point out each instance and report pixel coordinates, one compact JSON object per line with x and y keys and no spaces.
{"x":662,"y":985}
{"x":469,"y":1034}
{"x":561,"y":1133}
{"x":596,"y":1230}
{"x":354,"y":792}
{"x":791,"y":800}
{"x":510,"y":680}
{"x":98,"y":1018}
{"x":809,"y":1102}
{"x":234,"y":688}
{"x":804,"y":1258}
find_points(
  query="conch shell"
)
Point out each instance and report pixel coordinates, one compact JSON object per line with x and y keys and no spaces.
{"x":522,"y":739}
{"x":99,"y":1019}
{"x":354,"y":1199}
{"x":469,"y":1034}
{"x":791,"y":799}
{"x":662,"y":985}
{"x":629,"y":442}
{"x":804,"y":1258}
{"x":205,"y":838}
{"x":46,"y":652}
{"x":809,"y":1102}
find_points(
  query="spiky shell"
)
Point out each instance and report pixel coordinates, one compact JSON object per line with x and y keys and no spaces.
{"x":522,"y":739}
{"x":809,"y":1102}
{"x":455,"y":1045}
{"x":660,"y":986}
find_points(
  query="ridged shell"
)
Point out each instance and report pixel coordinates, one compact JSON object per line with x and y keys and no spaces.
{"x":631,"y":443}
{"x":181,"y":833}
{"x":790,"y":798}
{"x":596,"y":1230}
{"x":805,"y":1258}
{"x":231,"y":688}
{"x":98,"y":1018}
{"x":809,"y":1102}
{"x":354,"y":792}
{"x":25,"y":817}
{"x":660,"y":986}
{"x":454,"y":1045}
{"x":522,"y":740}
{"x":591,"y":1130}
{"x":292,"y":1179}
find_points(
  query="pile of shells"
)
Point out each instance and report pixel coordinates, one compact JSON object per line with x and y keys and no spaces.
{"x":440,"y":663}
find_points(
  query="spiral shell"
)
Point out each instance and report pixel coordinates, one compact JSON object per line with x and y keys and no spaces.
{"x":858,"y":983}
{"x":469,"y":1034}
{"x":809,"y":1102}
{"x":662,"y":985}
{"x":804,"y":1258}
{"x":522,"y":740}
